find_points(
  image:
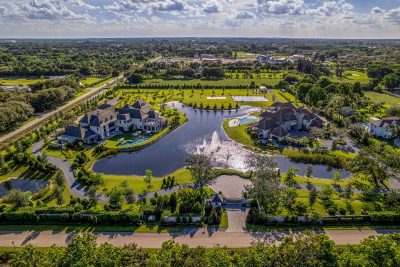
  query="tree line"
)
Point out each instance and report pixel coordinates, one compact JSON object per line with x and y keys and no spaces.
{"x":18,"y":106}
{"x":304,"y":249}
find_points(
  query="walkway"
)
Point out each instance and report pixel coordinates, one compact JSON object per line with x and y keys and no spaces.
{"x":193,"y":238}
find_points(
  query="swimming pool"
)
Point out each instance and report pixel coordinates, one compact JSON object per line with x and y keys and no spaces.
{"x":247,"y":120}
{"x":136,"y":141}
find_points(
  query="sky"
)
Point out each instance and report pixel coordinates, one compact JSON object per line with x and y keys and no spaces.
{"x":373,"y":19}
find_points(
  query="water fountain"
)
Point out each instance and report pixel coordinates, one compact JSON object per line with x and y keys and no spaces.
{"x":226,"y":154}
{"x":215,"y":141}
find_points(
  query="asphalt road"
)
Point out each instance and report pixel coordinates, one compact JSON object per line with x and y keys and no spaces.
{"x":193,"y":238}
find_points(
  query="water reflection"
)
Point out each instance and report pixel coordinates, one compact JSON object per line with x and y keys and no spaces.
{"x":202,"y":133}
{"x":23,"y":185}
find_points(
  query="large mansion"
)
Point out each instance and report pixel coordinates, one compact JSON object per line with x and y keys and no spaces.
{"x":107,"y":121}
{"x":281,"y":118}
{"x":383,"y":128}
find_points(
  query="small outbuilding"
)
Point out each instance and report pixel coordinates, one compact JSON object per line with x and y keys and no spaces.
{"x":216,"y":200}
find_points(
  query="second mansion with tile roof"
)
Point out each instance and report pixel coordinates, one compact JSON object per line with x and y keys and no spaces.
{"x":280,"y":118}
{"x":106,"y":121}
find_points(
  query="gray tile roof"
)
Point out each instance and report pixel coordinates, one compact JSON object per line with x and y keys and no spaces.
{"x":78,"y":132}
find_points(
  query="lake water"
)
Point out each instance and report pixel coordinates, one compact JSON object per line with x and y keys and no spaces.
{"x":202,"y":133}
{"x":23,"y":185}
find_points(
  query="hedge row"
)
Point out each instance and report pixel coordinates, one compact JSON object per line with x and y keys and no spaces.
{"x":104,"y":218}
{"x":371,"y":219}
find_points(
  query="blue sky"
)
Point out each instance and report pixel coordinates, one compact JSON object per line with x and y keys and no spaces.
{"x":214,"y":18}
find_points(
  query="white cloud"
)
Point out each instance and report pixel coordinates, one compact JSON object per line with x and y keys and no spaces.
{"x":81,"y":3}
{"x":147,"y":5}
{"x":279,"y":7}
{"x":393,"y":15}
{"x":46,"y":10}
{"x":3,"y":10}
{"x":212,"y":8}
{"x":245,"y":15}
{"x":286,"y":18}
{"x":377,"y":10}
{"x":330,"y":8}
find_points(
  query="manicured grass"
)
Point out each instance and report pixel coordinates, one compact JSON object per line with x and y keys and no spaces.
{"x":222,"y":82}
{"x":352,"y":76}
{"x":387,"y":99}
{"x":238,"y":133}
{"x":16,"y":171}
{"x":81,"y":93}
{"x":182,"y":176}
{"x":91,"y":80}
{"x":224,"y":220}
{"x":263,"y":228}
{"x":144,"y":228}
{"x":63,"y":154}
{"x":95,"y":81}
{"x":19,"y":81}
{"x":240,"y":54}
{"x":188,"y":97}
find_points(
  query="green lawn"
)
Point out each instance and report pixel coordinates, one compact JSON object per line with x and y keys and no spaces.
{"x":352,"y":76}
{"x":387,"y":99}
{"x":19,"y":81}
{"x":240,"y":54}
{"x":92,"y":81}
{"x":158,"y":96}
{"x":144,"y":228}
{"x":182,"y":176}
{"x":239,"y":135}
{"x":222,"y":82}
{"x":16,"y":171}
{"x":224,"y":220}
{"x":64,"y":154}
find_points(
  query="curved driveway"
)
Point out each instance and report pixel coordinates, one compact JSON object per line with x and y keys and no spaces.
{"x":62,"y":164}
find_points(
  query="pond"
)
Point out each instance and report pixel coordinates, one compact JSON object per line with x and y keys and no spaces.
{"x":202,"y":133}
{"x":23,"y":185}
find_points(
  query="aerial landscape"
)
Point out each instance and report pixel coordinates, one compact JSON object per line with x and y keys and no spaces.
{"x":199,"y":133}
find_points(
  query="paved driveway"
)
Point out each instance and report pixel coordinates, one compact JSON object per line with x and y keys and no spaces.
{"x":236,"y":218}
{"x":231,"y":186}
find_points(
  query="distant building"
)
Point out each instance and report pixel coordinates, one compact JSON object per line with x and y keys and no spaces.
{"x":271,"y":59}
{"x":281,"y":118}
{"x":381,"y":128}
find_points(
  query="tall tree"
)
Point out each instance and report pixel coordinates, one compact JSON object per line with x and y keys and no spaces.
{"x":265,"y":180}
{"x":201,"y":168}
{"x":148,"y":178}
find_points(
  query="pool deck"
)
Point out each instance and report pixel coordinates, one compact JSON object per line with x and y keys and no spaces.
{"x":236,"y":121}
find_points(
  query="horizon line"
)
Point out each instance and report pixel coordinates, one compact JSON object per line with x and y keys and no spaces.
{"x":193,"y":37}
